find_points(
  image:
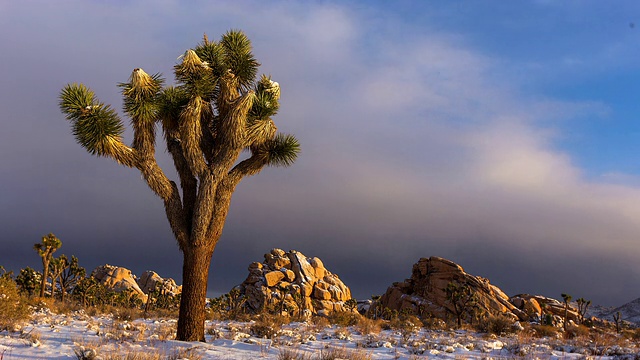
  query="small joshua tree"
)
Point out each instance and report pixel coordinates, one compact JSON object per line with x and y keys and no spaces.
{"x":583,"y":305}
{"x":56,"y":267}
{"x":462,"y":300}
{"x":218,"y":109}
{"x":566,"y":298}
{"x":49,"y":244}
{"x":617,"y":318}
{"x":351,"y":304}
{"x":70,"y":276}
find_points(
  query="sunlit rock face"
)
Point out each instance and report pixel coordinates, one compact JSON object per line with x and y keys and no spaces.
{"x":293,"y":283}
{"x":425,"y":292}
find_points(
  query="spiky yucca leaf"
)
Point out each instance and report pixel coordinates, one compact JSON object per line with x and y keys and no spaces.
{"x":75,"y":100}
{"x":213,"y":54}
{"x":283,"y":150}
{"x":140,"y":96}
{"x":171,"y":101}
{"x":195,"y":76}
{"x":264,"y":106}
{"x":239,"y":57}
{"x":95,"y":126}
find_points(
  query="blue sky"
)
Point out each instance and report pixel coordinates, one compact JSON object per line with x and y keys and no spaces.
{"x":501,"y":135}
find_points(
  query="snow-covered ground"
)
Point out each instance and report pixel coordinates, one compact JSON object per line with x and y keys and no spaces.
{"x":72,"y":336}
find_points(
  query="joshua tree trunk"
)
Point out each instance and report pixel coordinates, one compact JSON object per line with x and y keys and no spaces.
{"x":45,"y":275}
{"x":217,"y":110}
{"x":195,"y":272}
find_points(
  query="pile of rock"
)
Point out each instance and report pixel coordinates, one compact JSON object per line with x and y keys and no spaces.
{"x":426,"y":291}
{"x":293,"y":282}
{"x":121,"y":279}
{"x":538,"y":307}
{"x":150,"y":281}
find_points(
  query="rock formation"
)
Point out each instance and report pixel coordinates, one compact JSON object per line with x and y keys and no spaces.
{"x":150,"y":280}
{"x":537,"y":307}
{"x":121,"y":279}
{"x":118,"y":279}
{"x":426,"y":291}
{"x":293,"y":282}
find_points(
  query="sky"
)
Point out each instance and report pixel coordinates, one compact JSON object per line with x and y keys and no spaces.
{"x":500,"y":135}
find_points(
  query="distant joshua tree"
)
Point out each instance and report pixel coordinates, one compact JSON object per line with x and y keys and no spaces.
{"x":218,"y":109}
{"x":617,"y":318}
{"x":49,"y":244}
{"x":583,"y":305}
{"x":70,"y":276}
{"x":566,"y":298}
{"x":462,"y":300}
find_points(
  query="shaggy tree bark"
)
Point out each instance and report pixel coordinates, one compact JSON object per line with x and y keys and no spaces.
{"x":217,"y":110}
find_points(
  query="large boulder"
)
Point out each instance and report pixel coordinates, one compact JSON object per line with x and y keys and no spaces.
{"x":426,"y":291}
{"x":118,"y":279}
{"x":293,"y":282}
{"x":150,"y":280}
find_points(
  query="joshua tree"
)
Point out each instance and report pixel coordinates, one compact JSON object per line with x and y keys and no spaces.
{"x":217,"y":109}
{"x":70,"y":276}
{"x":566,"y":298}
{"x":617,"y":319}
{"x":49,"y":244}
{"x":462,"y":300}
{"x":583,"y":305}
{"x":56,"y":267}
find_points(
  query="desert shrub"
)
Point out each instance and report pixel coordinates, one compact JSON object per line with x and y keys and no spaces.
{"x":632,"y":334}
{"x":576,"y":331}
{"x":433,"y":323}
{"x":406,"y":324}
{"x":367,"y":326}
{"x":267,"y":325}
{"x":28,"y":281}
{"x":13,"y":307}
{"x":127,"y":313}
{"x":545,"y":330}
{"x":498,"y":325}
{"x":343,"y":318}
{"x":320,"y":322}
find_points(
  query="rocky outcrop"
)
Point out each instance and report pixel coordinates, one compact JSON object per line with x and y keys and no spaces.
{"x":150,"y":280}
{"x":426,"y":291}
{"x":121,"y":279}
{"x":537,"y":307}
{"x":294,"y":283}
{"x":118,"y":279}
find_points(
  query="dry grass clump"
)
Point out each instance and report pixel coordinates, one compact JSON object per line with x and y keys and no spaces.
{"x":336,"y":353}
{"x":577,"y":331}
{"x":267,"y":326}
{"x":14,"y":308}
{"x":368,"y":326}
{"x":83,"y":353}
{"x":344,"y":318}
{"x":293,"y":354}
{"x":545,"y":331}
